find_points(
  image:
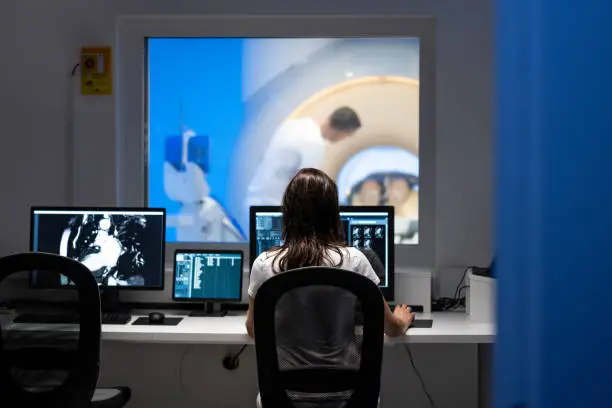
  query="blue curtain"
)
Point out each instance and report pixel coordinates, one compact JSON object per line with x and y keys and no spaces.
{"x":554,"y":204}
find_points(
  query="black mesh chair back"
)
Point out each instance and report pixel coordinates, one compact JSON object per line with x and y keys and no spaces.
{"x":310,"y":351}
{"x":30,"y":353}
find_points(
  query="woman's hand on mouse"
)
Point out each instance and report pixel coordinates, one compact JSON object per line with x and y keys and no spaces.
{"x":404,"y":314}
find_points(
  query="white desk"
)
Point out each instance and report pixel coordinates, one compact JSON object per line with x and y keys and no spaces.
{"x":448,"y":327}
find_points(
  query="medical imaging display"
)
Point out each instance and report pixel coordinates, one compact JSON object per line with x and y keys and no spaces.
{"x":120,"y":248}
{"x":269,"y":229}
{"x":231,"y":120}
{"x":207,"y":276}
{"x":366,"y":231}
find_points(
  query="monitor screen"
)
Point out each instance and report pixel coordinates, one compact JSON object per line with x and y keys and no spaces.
{"x":369,"y":229}
{"x":231,"y":120}
{"x":121,"y":247}
{"x":207,"y":275}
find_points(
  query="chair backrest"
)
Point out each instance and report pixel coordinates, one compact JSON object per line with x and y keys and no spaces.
{"x":82,"y":364}
{"x":310,"y":352}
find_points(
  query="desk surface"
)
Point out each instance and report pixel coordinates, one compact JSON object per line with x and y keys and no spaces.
{"x":448,"y":327}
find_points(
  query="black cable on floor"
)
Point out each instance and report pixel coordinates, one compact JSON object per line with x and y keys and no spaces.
{"x":416,"y":371}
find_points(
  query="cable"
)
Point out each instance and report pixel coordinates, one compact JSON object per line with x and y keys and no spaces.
{"x":465,"y":271}
{"x":459,"y":301}
{"x":445,"y":304}
{"x":73,"y":72}
{"x":231,"y":362}
{"x":244,"y":346}
{"x":460,"y":289}
{"x":416,"y":371}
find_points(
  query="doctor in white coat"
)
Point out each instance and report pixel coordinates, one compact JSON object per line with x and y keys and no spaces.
{"x":298,"y":143}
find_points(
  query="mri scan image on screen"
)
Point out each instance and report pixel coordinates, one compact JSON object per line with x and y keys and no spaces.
{"x":231,"y":120}
{"x":120,"y":249}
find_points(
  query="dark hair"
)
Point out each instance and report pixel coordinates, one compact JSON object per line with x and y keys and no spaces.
{"x":344,"y":119}
{"x":311,"y":222}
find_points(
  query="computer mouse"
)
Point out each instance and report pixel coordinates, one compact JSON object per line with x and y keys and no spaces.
{"x":156,"y":318}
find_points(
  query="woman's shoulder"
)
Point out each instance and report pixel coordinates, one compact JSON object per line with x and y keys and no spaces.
{"x":356,"y":261}
{"x":351,"y":257}
{"x":266,"y":258}
{"x":352,"y":251}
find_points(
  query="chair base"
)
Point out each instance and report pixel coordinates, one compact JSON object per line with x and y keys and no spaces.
{"x":111,"y":397}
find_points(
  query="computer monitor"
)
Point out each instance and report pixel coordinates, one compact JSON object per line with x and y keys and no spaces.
{"x":123,"y":247}
{"x":208,"y":276}
{"x":369,"y":229}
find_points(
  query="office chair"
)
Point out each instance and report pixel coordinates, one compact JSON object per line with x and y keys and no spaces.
{"x":310,"y":352}
{"x":55,"y":366}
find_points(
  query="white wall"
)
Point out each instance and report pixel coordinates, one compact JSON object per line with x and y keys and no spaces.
{"x":40,"y":41}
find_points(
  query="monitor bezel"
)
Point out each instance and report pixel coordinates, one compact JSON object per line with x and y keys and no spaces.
{"x":207,"y":251}
{"x":144,"y":210}
{"x":389,"y":290}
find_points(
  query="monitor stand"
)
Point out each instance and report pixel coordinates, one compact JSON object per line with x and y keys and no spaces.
{"x":211,"y":309}
{"x":109,"y":298}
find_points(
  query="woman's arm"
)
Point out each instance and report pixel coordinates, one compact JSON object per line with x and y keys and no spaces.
{"x":257,"y":278}
{"x":249,"y":320}
{"x":398,"y":321}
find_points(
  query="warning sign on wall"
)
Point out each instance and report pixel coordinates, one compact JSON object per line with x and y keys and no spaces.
{"x":96,"y":71}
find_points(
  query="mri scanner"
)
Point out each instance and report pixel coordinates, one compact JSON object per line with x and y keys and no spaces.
{"x":384,"y":151}
{"x":378,"y":78}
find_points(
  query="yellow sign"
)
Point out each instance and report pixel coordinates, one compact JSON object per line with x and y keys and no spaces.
{"x":96,"y":71}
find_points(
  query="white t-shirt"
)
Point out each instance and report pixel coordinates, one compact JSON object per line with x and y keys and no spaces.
{"x":353,"y":260}
{"x":297,"y":144}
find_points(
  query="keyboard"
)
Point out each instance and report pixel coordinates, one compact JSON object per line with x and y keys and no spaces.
{"x":69,"y":318}
{"x":116,"y":318}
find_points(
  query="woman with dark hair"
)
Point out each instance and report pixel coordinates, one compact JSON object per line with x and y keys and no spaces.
{"x":312,"y":236}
